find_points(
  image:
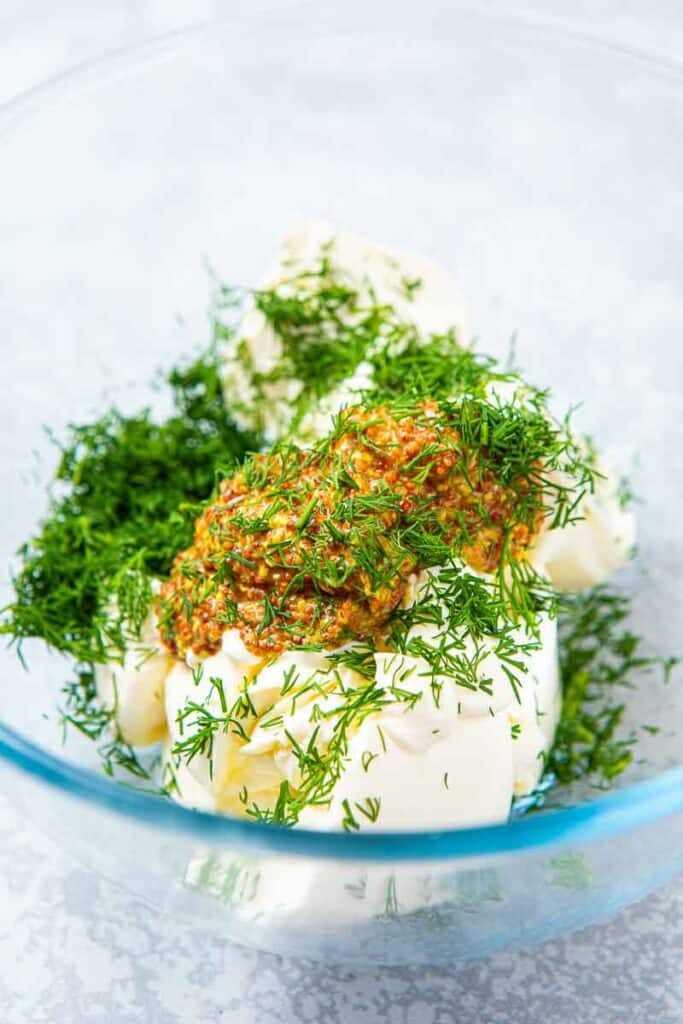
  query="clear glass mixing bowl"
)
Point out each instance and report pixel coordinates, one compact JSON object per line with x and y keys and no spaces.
{"x":545,"y":170}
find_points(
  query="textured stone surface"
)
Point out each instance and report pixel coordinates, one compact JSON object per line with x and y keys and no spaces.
{"x":75,"y":949}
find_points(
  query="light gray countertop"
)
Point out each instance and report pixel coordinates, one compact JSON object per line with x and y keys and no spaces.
{"x":73,"y":948}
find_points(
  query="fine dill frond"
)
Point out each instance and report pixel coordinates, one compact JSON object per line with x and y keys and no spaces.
{"x":599,"y":657}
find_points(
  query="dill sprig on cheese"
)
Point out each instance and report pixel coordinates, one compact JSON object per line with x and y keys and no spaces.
{"x":323,"y":330}
{"x":320,"y":761}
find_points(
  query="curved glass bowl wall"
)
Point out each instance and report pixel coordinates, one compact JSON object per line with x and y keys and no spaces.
{"x":545,"y":171}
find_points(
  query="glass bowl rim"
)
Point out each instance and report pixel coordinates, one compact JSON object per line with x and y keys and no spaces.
{"x":607,"y":815}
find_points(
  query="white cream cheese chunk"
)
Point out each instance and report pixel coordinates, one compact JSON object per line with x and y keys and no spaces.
{"x":255,"y":757}
{"x":380,"y":277}
{"x":458,"y":763}
{"x":134,"y":688}
{"x":601,"y":537}
{"x":462,"y":775}
{"x":587,"y":551}
{"x":210,"y":689}
{"x":181,"y":784}
{"x":456,"y":759}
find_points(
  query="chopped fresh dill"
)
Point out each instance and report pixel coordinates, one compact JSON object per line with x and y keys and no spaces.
{"x":125,"y":504}
{"x":599,"y":656}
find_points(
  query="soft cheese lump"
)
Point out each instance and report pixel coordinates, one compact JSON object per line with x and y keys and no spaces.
{"x":375,"y":296}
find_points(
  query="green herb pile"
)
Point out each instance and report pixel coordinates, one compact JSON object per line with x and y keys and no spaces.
{"x":130,"y":490}
{"x":599,"y":657}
